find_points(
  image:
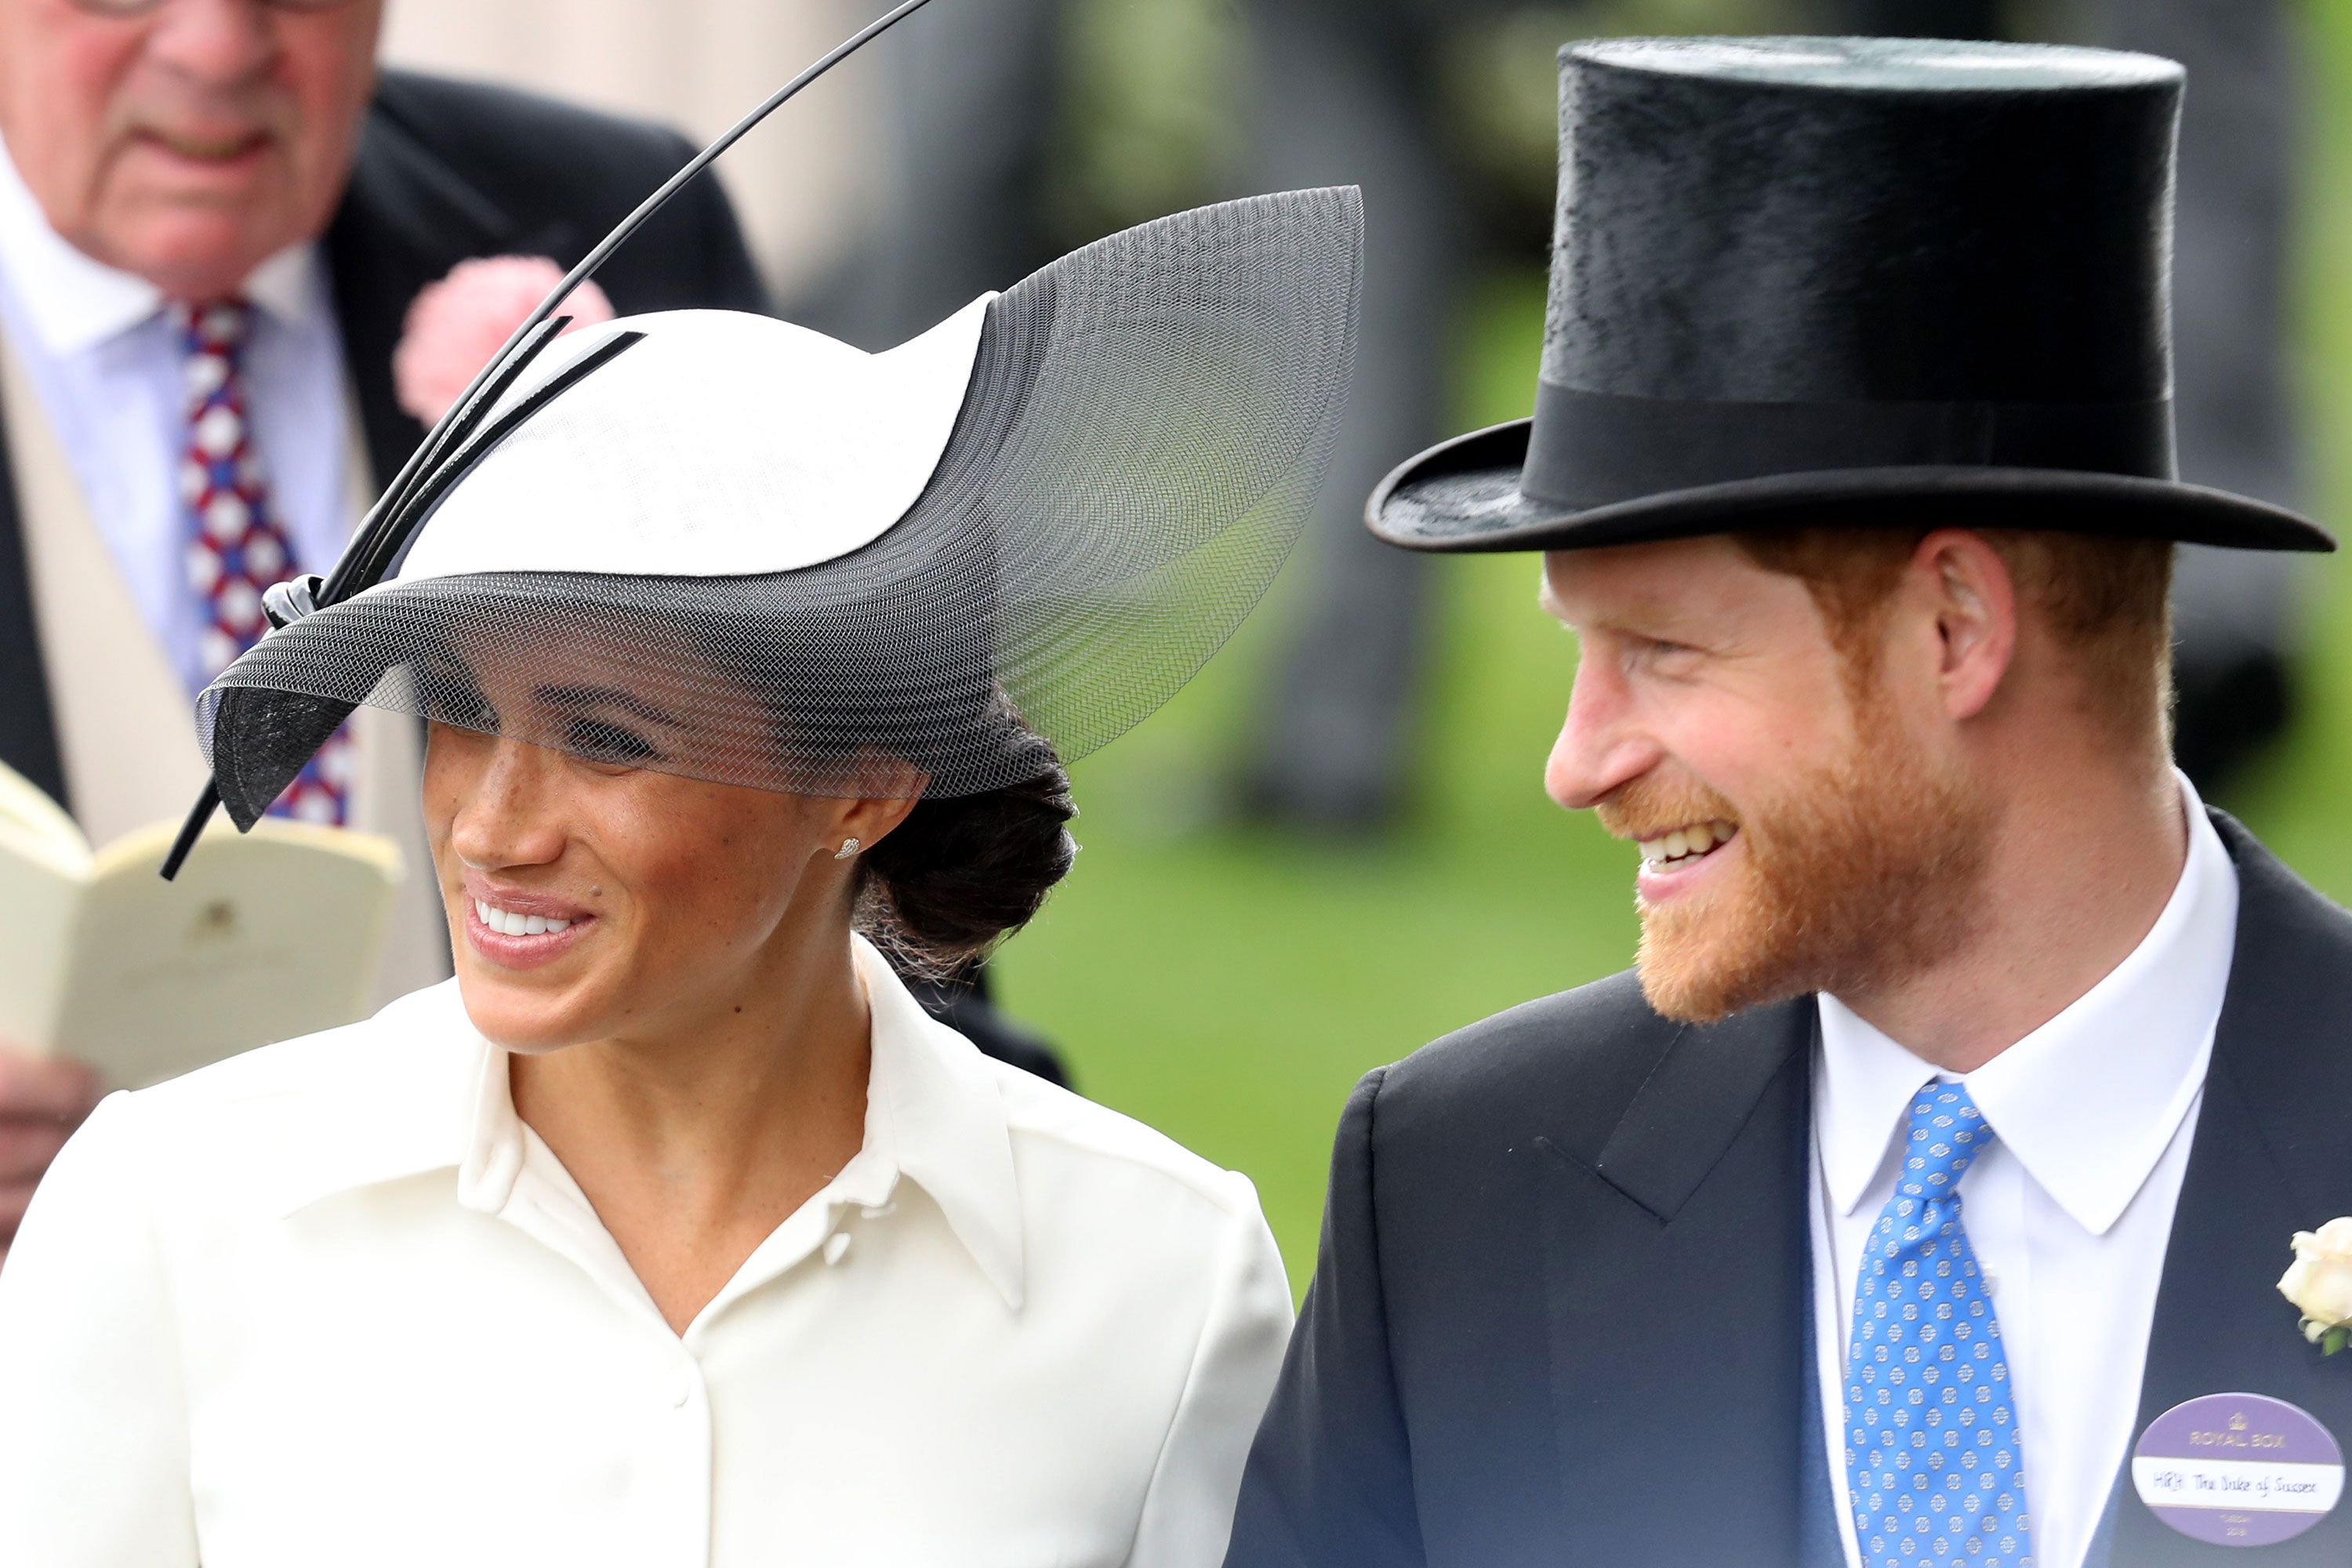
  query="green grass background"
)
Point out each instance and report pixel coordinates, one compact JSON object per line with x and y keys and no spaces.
{"x":1228,"y":985}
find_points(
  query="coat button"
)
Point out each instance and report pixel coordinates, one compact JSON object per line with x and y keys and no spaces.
{"x":684,"y":1392}
{"x":837,"y":1246}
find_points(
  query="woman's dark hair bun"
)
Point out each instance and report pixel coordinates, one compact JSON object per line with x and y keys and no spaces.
{"x":961,"y":873}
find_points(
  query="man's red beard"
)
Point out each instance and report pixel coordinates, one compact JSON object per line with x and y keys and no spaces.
{"x":1864,"y":872}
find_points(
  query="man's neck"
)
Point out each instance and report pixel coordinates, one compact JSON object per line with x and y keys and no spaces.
{"x":2076,"y":879}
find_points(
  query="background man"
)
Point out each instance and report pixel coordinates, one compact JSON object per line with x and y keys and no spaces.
{"x":193,"y":184}
{"x":1852,"y":462}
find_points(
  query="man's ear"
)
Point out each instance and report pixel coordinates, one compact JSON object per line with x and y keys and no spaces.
{"x":1975,"y":604}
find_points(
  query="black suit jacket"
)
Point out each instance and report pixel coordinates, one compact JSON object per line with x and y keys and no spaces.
{"x":1560,"y":1315}
{"x":445,"y":171}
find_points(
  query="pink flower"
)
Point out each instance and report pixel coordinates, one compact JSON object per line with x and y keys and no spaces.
{"x":456,"y":325}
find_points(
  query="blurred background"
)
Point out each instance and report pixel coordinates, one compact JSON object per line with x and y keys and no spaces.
{"x":1335,"y":846}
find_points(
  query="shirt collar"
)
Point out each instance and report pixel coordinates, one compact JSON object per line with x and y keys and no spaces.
{"x":934,"y":1117}
{"x":429,"y":1093}
{"x":2087,"y":1102}
{"x":72,"y":302}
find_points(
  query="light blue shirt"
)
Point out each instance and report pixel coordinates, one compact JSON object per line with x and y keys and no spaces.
{"x":102,"y":356}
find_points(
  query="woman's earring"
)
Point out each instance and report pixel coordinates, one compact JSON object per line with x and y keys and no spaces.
{"x":848,"y":847}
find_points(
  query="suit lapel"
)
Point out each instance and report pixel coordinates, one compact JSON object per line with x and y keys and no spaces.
{"x":2273,"y":1155}
{"x":28,"y":731}
{"x":1676,"y":1274}
{"x":406,"y":218}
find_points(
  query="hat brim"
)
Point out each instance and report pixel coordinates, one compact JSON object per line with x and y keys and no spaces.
{"x":1463,"y":496}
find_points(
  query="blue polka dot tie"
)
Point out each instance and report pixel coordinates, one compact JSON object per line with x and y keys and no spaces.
{"x":1932,"y":1451}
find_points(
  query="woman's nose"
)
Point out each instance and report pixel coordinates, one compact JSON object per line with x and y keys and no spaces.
{"x":508,"y":814}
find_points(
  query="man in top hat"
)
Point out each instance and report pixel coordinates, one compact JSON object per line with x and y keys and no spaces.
{"x":1953,"y":1127}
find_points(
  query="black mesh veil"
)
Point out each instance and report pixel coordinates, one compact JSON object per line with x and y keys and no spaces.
{"x":1136,"y":452}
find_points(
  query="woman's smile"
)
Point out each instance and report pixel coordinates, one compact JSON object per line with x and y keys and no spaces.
{"x":514,"y":929}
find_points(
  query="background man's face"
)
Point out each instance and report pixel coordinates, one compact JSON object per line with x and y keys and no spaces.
{"x":1801,"y":829}
{"x":191,"y":141}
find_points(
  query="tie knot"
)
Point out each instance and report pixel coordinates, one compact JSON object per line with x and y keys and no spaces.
{"x":212,"y":326}
{"x":1947,"y":1135}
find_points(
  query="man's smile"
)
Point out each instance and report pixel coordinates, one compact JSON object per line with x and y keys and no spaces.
{"x":1686,"y":845}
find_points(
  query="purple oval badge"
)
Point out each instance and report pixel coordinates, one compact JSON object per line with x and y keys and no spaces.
{"x":2238,"y":1469}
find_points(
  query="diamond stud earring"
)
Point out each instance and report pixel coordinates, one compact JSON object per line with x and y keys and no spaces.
{"x":848,"y":847}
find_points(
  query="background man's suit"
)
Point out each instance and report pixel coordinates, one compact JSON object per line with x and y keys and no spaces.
{"x":1561,"y":1314}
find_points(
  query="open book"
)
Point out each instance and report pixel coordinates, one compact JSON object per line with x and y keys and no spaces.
{"x":266,"y":935}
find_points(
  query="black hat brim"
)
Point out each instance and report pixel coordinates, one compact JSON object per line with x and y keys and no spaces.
{"x":1463,"y":496}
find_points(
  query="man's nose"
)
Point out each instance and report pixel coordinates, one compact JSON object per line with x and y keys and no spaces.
{"x":1600,"y":747}
{"x":507,"y":816}
{"x":214,"y":41}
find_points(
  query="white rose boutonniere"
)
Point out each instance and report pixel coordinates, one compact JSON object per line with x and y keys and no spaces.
{"x":2319,"y":1283}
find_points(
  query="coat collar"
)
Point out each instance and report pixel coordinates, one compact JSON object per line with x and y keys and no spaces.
{"x":407,"y":216}
{"x":1666,"y":1259}
{"x":1696,"y":1099}
{"x":418,"y":1091}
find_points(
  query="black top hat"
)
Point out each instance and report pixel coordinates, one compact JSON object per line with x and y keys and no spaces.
{"x":1845,"y":279}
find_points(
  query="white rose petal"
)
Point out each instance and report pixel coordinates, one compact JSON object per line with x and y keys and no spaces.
{"x":2319,"y":1282}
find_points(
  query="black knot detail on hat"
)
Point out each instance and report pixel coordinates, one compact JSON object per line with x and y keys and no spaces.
{"x":1801,"y":280}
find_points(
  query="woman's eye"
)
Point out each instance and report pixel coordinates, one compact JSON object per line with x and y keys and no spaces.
{"x":599,"y":741}
{"x":450,"y":697}
{"x":464,"y":706}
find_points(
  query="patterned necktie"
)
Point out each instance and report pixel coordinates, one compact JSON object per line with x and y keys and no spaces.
{"x":236,"y":549}
{"x":1932,"y":1451}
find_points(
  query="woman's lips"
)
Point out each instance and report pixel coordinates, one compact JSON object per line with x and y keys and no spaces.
{"x":527,"y":950}
{"x":516,"y":929}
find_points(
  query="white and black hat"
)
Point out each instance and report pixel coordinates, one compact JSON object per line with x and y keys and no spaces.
{"x":800,"y":567}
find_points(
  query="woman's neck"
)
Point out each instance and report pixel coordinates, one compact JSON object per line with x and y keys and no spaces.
{"x":696,"y":1139}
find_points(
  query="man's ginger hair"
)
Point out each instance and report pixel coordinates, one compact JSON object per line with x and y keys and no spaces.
{"x":2107,"y":603}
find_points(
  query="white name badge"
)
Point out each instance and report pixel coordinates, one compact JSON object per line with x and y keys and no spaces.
{"x":2238,"y":1469}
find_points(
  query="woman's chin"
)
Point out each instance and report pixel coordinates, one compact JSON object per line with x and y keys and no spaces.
{"x":529,"y":1017}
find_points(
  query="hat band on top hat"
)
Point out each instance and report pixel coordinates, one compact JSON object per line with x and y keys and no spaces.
{"x":1592,"y":448}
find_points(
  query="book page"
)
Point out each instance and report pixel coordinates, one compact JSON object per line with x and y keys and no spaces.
{"x":42,"y":876}
{"x":28,"y":816}
{"x":264,"y":936}
{"x":44,"y":861}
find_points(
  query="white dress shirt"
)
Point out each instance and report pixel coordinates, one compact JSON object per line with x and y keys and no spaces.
{"x":102,"y":355}
{"x":2069,"y":1214}
{"x":332,"y":1302}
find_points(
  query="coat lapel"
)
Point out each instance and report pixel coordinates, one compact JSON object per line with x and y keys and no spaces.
{"x":1677,"y":1273}
{"x":28,"y":732}
{"x":2273,"y":1155}
{"x":406,"y":218}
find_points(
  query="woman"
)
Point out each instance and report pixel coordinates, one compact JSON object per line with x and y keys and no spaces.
{"x":672,"y":1231}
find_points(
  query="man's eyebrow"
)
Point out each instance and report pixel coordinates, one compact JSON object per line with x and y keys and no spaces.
{"x":606,"y":697}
